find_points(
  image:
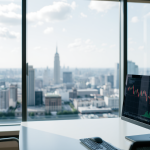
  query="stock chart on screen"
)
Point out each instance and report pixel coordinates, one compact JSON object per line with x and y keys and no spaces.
{"x":136,"y":103}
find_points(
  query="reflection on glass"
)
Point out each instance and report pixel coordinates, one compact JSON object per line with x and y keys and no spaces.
{"x":73,"y":56}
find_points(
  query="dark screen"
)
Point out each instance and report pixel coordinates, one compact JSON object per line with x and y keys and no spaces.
{"x":136,"y":103}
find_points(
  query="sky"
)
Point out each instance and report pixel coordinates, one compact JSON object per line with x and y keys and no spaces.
{"x":85,"y":32}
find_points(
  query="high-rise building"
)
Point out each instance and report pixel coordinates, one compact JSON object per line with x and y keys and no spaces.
{"x":109,"y":78}
{"x":31,"y":86}
{"x":4,"y":98}
{"x":116,"y":76}
{"x":46,"y":77}
{"x":56,"y":68}
{"x":102,"y":79}
{"x":38,"y":98}
{"x":13,"y":95}
{"x":132,"y":68}
{"x":95,"y":82}
{"x":67,"y":77}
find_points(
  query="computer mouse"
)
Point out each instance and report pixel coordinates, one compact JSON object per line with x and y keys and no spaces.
{"x":97,"y":139}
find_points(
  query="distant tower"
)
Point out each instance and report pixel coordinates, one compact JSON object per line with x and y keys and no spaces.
{"x":31,"y":87}
{"x":56,"y":68}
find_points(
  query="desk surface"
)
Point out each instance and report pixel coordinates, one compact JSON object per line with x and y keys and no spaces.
{"x":65,"y":134}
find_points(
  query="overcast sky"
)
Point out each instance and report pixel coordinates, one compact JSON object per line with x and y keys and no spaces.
{"x":86,"y":33}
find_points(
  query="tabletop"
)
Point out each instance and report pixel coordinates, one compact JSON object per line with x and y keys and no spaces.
{"x":53,"y":135}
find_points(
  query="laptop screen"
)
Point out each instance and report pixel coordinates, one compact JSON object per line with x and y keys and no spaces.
{"x":136,"y":103}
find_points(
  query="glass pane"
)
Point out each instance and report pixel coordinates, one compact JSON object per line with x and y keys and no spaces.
{"x":73,"y":55}
{"x":10,"y":62}
{"x":138,"y":38}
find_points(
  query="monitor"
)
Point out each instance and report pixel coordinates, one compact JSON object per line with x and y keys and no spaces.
{"x":136,"y":104}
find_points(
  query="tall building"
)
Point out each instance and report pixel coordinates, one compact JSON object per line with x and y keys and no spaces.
{"x":4,"y":98}
{"x":109,"y":78}
{"x":13,"y":95}
{"x":67,"y":77}
{"x":46,"y":77}
{"x":38,"y":98}
{"x":56,"y":68}
{"x":132,"y":68}
{"x":94,"y":82}
{"x":116,"y":76}
{"x":31,"y":86}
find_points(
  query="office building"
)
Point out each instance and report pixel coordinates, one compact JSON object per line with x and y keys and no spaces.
{"x":56,"y":68}
{"x":64,"y":94}
{"x":102,"y":79}
{"x":116,"y":76}
{"x":109,"y":78}
{"x":73,"y":93}
{"x":86,"y":92}
{"x":46,"y":77}
{"x":112,"y":101}
{"x":13,"y":95}
{"x":132,"y":68}
{"x":67,"y":77}
{"x":31,"y":86}
{"x":38,"y":83}
{"x":86,"y":102}
{"x":52,"y":102}
{"x":106,"y":90}
{"x":38,"y":98}
{"x":4,"y":98}
{"x":95,"y":82}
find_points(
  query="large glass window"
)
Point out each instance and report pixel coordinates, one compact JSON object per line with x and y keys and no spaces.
{"x":138,"y":38}
{"x":73,"y":58}
{"x":10,"y":62}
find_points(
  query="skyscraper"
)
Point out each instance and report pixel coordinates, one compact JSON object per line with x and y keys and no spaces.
{"x":67,"y":77}
{"x":31,"y":86}
{"x":132,"y":68}
{"x":109,"y":78}
{"x":13,"y":95}
{"x":56,"y":68}
{"x":4,"y":98}
{"x":46,"y":77}
{"x":116,"y":76}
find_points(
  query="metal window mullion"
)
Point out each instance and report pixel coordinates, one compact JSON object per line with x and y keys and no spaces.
{"x":123,"y":52}
{"x":24,"y":94}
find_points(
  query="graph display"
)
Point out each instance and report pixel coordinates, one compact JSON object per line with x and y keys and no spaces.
{"x":136,"y":103}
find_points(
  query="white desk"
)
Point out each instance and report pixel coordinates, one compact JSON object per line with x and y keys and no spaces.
{"x":111,"y":130}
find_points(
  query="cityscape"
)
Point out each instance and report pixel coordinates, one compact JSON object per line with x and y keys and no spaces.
{"x":62,"y":92}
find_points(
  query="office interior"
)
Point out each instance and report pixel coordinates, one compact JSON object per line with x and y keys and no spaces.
{"x":65,"y":70}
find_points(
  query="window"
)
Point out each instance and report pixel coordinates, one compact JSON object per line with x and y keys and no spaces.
{"x":138,"y":38}
{"x":10,"y":62}
{"x":73,"y":57}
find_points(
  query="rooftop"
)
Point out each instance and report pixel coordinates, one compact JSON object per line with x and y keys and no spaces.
{"x":52,"y":95}
{"x":82,"y":90}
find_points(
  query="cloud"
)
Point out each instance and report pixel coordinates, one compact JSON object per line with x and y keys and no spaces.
{"x":10,"y":7}
{"x":141,"y":47}
{"x":5,"y":34}
{"x":8,"y":14}
{"x":76,"y":43}
{"x":114,"y":45}
{"x":134,"y":19}
{"x":102,"y":6}
{"x":83,"y":15}
{"x":48,"y":30}
{"x":64,"y":30}
{"x":56,"y":12}
{"x":104,"y":44}
{"x":81,"y":45}
{"x":37,"y":48}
